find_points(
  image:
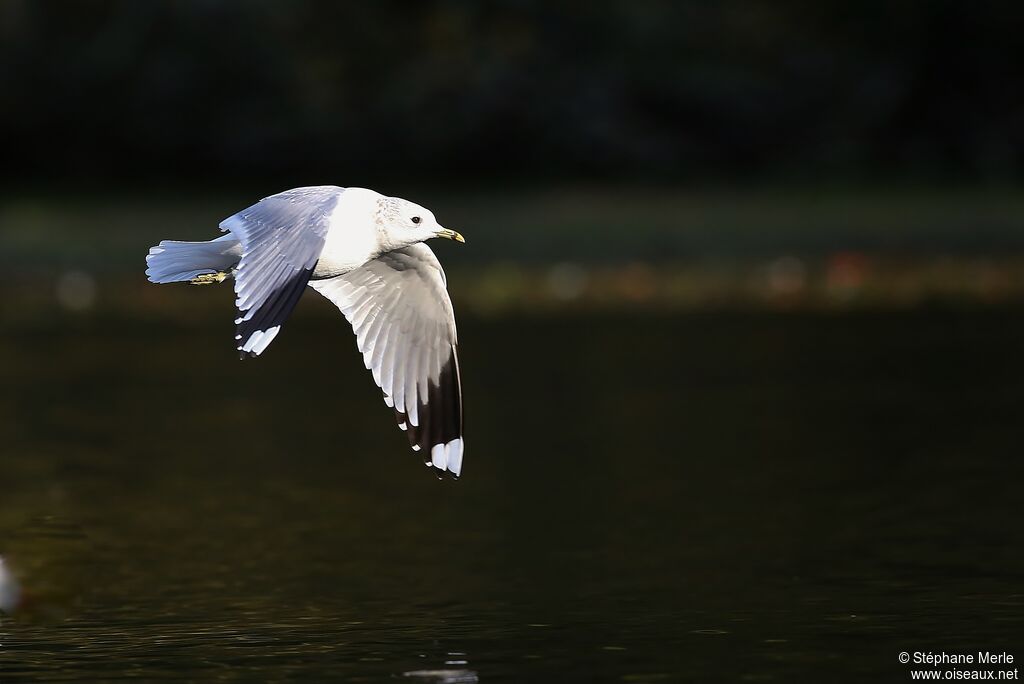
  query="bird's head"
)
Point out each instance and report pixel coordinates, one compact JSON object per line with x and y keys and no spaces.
{"x":405,"y":223}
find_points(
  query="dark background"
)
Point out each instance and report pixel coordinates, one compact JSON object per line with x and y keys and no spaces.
{"x":189,"y":92}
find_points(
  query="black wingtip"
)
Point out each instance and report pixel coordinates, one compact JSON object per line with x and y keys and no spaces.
{"x":440,"y":412}
{"x":273,"y":312}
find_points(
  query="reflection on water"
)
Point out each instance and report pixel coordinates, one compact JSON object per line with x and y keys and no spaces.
{"x":10,"y":591}
{"x":453,"y":676}
{"x":648,"y":498}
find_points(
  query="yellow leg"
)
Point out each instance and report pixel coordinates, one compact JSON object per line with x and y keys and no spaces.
{"x":209,"y":278}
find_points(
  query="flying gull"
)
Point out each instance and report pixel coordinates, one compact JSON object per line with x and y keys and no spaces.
{"x":365,"y":252}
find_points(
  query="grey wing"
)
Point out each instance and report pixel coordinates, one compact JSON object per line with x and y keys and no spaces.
{"x":281,"y":238}
{"x":405,"y":328}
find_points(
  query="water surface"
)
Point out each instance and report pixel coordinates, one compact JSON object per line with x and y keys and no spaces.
{"x":652,"y":497}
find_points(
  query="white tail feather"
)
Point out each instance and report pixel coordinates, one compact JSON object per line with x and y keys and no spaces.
{"x":172,"y":261}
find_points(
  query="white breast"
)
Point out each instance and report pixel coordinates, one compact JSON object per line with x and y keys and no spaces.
{"x":353,"y":238}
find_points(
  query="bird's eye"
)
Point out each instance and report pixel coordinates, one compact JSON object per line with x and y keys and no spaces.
{"x":416,"y":219}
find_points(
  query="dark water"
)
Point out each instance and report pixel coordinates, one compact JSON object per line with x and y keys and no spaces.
{"x":728,"y":497}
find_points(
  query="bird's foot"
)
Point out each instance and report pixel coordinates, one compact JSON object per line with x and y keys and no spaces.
{"x":209,"y":278}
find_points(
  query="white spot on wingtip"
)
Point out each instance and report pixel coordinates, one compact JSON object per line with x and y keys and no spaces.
{"x":455,"y":449}
{"x":403,"y":426}
{"x":248,"y":344}
{"x":416,"y":447}
{"x":259,"y":340}
{"x":439,"y":456}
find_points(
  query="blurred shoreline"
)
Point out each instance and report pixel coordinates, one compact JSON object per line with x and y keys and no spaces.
{"x":839,"y":282}
{"x":577,"y":247}
{"x":611,"y":224}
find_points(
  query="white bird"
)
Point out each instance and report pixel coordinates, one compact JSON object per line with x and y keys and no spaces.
{"x":365,"y":253}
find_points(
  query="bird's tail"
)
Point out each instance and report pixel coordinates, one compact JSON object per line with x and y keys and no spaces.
{"x":172,"y":261}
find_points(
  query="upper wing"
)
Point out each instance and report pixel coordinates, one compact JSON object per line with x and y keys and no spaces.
{"x":405,"y":327}
{"x":282,"y":237}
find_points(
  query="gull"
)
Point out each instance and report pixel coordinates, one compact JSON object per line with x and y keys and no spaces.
{"x":364,"y":252}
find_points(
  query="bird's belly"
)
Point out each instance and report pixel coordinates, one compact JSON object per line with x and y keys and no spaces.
{"x":326,"y":268}
{"x":336,"y":262}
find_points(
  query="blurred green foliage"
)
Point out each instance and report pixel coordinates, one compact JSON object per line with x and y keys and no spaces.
{"x":305,"y":90}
